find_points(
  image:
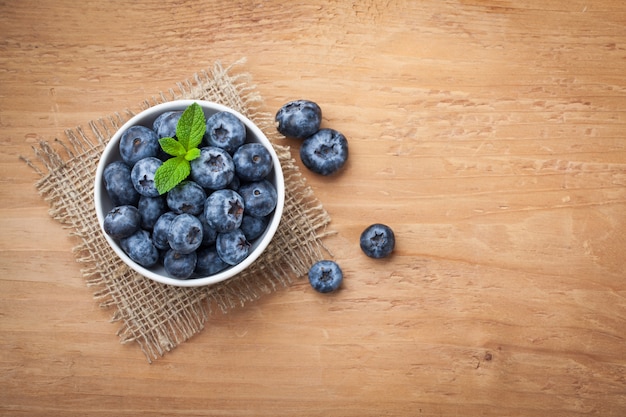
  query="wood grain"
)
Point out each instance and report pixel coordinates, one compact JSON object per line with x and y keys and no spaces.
{"x":489,"y":134}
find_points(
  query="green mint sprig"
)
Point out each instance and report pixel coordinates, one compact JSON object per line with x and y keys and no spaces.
{"x":189,"y":131}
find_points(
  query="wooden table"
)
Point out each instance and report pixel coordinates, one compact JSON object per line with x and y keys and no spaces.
{"x":491,"y":135}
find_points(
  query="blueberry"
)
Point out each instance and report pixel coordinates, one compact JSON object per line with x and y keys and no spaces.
{"x":223,"y":210}
{"x":253,"y":227}
{"x":209,"y":233}
{"x":165,"y":125}
{"x":185,"y":233}
{"x":161,"y":229}
{"x":142,"y":176}
{"x":325,"y":152}
{"x":214,"y":169}
{"x":138,"y":142}
{"x":122,"y":221}
{"x":299,"y":119}
{"x":259,"y":198}
{"x":377,"y":241}
{"x":234,"y":184}
{"x":186,"y":197}
{"x":118,"y":184}
{"x":226,"y":131}
{"x":325,"y":276}
{"x":139,"y":248}
{"x":179,"y":265}
{"x":209,"y":262}
{"x":253,"y":162}
{"x":232,"y":247}
{"x":150,"y":209}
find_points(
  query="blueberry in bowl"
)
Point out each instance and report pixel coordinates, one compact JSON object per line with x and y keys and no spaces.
{"x":167,"y":188}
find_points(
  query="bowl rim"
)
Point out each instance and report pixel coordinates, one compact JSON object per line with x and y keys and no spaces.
{"x":261,"y":242}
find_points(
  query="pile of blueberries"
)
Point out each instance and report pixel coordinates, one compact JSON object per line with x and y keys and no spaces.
{"x":325,"y":151}
{"x":207,"y":222}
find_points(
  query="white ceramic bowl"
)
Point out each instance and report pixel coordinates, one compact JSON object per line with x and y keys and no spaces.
{"x":103,"y":203}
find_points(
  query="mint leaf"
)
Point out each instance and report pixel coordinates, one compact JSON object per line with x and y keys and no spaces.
{"x":191,"y":126}
{"x":172,"y":147}
{"x":171,"y":173}
{"x":192,"y":154}
{"x":189,"y":130}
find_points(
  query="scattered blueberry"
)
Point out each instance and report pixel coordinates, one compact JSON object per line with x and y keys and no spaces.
{"x":325,"y":276}
{"x":325,"y":152}
{"x":180,"y":265}
{"x":253,"y":227}
{"x":118,"y":184}
{"x":150,"y":209}
{"x":223,"y":210}
{"x":185,"y":233}
{"x":226,"y":131}
{"x":209,"y":262}
{"x":142,"y":176}
{"x":139,"y":248}
{"x":259,"y":198}
{"x":138,"y":142}
{"x":161,"y":229}
{"x":253,"y":162}
{"x":232,"y":247}
{"x":214,"y":169}
{"x":377,"y":241}
{"x":186,"y":197}
{"x":122,"y":221}
{"x":299,"y":119}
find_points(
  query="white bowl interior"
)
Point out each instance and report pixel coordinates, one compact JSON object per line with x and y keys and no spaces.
{"x":103,"y":203}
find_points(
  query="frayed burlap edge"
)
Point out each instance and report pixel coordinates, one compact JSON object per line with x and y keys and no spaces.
{"x":160,"y":317}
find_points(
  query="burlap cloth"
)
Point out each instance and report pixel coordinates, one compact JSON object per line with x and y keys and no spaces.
{"x":160,"y":317}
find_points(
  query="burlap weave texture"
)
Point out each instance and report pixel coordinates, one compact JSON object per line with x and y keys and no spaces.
{"x":159,"y":317}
